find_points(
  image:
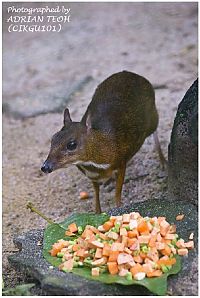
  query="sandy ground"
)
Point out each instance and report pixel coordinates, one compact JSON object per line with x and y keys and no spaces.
{"x":158,"y":41}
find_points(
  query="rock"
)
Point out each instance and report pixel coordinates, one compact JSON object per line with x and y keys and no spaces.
{"x":51,"y":100}
{"x":183,"y":149}
{"x":55,"y":282}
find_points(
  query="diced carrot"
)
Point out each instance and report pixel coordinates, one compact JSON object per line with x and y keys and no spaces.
{"x":113,"y":256}
{"x":108,"y":225}
{"x":112,"y":268}
{"x":143,"y":227}
{"x":143,"y":255}
{"x":133,"y":233}
{"x":135,"y":269}
{"x":167,"y":262}
{"x":75,"y":247}
{"x":155,"y":273}
{"x":73,"y":227}
{"x":113,"y":219}
{"x":106,"y":250}
{"x":166,"y":251}
{"x":182,"y":251}
{"x":98,"y":253}
{"x":166,"y":241}
{"x":180,"y":216}
{"x":54,"y":252}
{"x":84,"y":195}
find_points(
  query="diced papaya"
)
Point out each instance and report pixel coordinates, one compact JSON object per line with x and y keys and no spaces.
{"x":80,"y":252}
{"x":135,"y":269}
{"x":155,"y":273}
{"x":113,"y":256}
{"x":166,"y":251}
{"x":68,"y":233}
{"x":147,"y":268}
{"x":152,"y":241}
{"x":87,"y":234}
{"x":143,"y":227}
{"x":182,"y":251}
{"x":106,"y":250}
{"x":131,"y":241}
{"x":113,"y":268}
{"x":138,"y":259}
{"x":133,"y":233}
{"x":73,"y":227}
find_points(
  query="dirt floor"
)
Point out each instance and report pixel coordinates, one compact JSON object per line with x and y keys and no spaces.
{"x":156,"y":40}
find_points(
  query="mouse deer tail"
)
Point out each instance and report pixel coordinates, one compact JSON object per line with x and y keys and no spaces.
{"x":163,"y":161}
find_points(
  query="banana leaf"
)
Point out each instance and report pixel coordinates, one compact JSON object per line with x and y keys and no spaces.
{"x":54,"y":232}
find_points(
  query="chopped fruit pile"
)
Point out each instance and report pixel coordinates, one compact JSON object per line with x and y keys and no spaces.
{"x":129,"y":245}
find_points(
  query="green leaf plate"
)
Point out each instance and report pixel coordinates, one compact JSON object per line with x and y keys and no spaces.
{"x":54,"y":232}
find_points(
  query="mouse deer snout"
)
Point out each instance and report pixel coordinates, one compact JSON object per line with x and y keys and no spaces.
{"x":47,"y":167}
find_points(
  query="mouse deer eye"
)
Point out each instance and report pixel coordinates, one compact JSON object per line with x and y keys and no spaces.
{"x":71,"y":145}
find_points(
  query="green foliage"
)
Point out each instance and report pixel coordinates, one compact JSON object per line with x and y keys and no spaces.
{"x":54,"y":232}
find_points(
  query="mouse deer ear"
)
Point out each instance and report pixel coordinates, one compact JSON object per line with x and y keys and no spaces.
{"x":88,"y":122}
{"x":67,"y":117}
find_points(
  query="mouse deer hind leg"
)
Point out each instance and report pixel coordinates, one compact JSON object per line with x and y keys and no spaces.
{"x":163,"y":161}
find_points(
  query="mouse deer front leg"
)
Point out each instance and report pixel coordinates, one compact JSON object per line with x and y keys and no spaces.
{"x":97,"y":202}
{"x":119,"y":184}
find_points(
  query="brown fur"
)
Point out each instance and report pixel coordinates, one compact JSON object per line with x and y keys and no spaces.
{"x":120,"y":116}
